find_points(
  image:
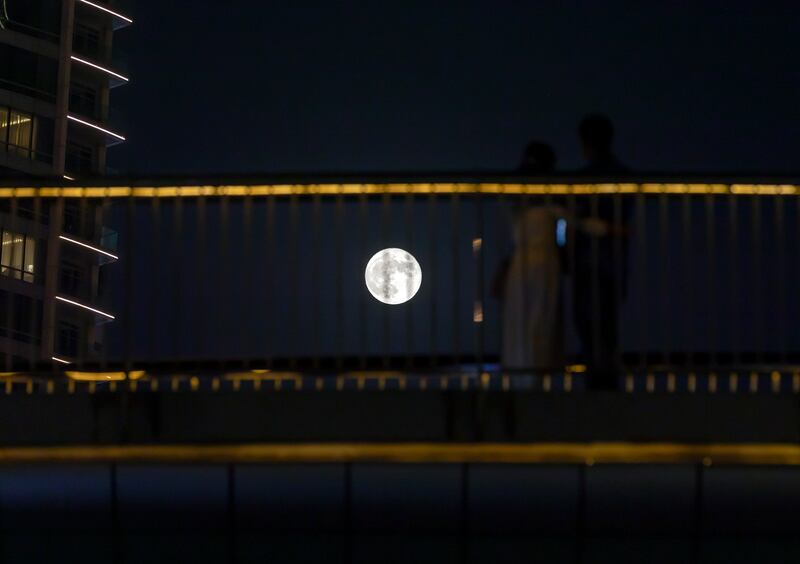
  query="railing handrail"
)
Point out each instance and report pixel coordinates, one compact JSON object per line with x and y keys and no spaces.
{"x":105,"y":187}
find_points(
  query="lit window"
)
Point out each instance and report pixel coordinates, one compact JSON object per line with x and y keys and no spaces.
{"x":18,"y":256}
{"x":20,"y":133}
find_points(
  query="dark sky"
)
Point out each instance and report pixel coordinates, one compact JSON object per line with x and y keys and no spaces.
{"x":262,"y":86}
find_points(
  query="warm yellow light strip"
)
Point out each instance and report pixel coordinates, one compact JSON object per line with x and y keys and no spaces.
{"x":397,"y":188}
{"x":103,"y":376}
{"x":437,"y":453}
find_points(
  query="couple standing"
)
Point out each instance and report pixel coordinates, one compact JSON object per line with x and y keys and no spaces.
{"x":531,"y":289}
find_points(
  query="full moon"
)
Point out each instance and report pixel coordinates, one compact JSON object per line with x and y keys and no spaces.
{"x":393,"y":276}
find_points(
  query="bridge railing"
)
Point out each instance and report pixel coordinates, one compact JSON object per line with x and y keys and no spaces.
{"x":217,"y":277}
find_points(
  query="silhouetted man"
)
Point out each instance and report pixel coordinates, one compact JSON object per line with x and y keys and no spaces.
{"x":600,"y":269}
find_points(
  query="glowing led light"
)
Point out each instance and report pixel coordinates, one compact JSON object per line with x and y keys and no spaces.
{"x":68,"y":177}
{"x":97,"y":127}
{"x":101,"y":251}
{"x":85,"y":307}
{"x":120,"y":16}
{"x":393,"y":276}
{"x":105,"y":376}
{"x":98,"y":67}
{"x":61,"y":360}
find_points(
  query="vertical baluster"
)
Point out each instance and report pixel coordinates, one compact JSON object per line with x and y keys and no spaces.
{"x":271,"y":304}
{"x":130,"y":234}
{"x":202,"y":325}
{"x":711,"y":265}
{"x":433,"y":228}
{"x":294,"y":260}
{"x":84,"y":286}
{"x":35,"y":321}
{"x":225,"y":283}
{"x":479,"y":309}
{"x":780,"y":272}
{"x":9,"y":261}
{"x":177,"y":265}
{"x":107,"y":207}
{"x":619,"y":234}
{"x":339,"y":242}
{"x":248,"y":288}
{"x":734,"y":274}
{"x":519,"y":210}
{"x":156,"y":278}
{"x":572,"y":258}
{"x":597,"y":300}
{"x":758,"y":302}
{"x":500,"y":276}
{"x":385,"y":232}
{"x":665,"y":279}
{"x":315,"y":286}
{"x":644,"y":293}
{"x":454,"y":279}
{"x":363,"y":234}
{"x":688,"y":270}
{"x":409,"y":222}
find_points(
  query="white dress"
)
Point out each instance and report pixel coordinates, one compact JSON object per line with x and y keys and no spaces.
{"x":532,"y":313}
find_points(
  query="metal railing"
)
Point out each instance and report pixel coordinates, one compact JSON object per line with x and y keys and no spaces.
{"x":266,"y":280}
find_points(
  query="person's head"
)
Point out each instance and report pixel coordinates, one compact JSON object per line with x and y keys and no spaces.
{"x":538,"y":157}
{"x":597,"y":135}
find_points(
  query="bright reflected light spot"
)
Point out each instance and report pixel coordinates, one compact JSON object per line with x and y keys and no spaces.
{"x":68,"y":177}
{"x":561,"y":232}
{"x":393,"y":276}
{"x":477,"y":312}
{"x":62,"y":361}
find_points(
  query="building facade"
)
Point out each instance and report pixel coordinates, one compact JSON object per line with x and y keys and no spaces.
{"x":57,"y":71}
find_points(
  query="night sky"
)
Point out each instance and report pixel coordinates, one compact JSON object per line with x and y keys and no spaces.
{"x":304,"y":86}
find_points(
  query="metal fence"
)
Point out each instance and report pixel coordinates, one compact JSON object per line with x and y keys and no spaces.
{"x":231,"y":284}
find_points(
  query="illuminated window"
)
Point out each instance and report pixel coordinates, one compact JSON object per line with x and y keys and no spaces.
{"x":20,"y":133}
{"x":18,"y":256}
